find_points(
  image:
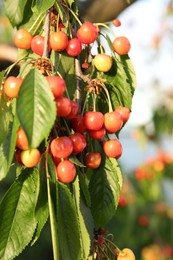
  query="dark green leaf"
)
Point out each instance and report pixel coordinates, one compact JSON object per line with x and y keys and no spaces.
{"x":17,"y":211}
{"x":68,"y":223}
{"x":85,"y":238}
{"x":15,"y":10}
{"x":84,"y":184}
{"x":7,"y":148}
{"x":42,"y":209}
{"x":5,"y":117}
{"x":76,"y":161}
{"x":105,"y":190}
{"x":36,"y":108}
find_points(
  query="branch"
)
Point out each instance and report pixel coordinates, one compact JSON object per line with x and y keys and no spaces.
{"x":46,"y":35}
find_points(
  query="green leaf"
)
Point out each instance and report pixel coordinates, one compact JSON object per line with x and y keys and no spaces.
{"x":65,"y":66}
{"x":5,"y":117}
{"x":121,"y":82}
{"x":76,"y":161}
{"x":85,"y":238}
{"x":68,"y":223}
{"x":14,"y":10}
{"x":33,"y":21}
{"x":17,"y":211}
{"x":42,"y":209}
{"x":43,"y":5}
{"x":84,"y":184}
{"x":105,"y":190}
{"x":36,"y":108}
{"x":7,"y":148}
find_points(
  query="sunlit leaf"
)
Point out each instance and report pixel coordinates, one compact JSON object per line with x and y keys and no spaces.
{"x":15,"y":10}
{"x":36,"y":108}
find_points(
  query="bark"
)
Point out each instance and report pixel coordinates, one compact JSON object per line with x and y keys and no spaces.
{"x":102,"y":10}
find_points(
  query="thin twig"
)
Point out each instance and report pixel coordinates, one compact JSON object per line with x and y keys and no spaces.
{"x":46,"y":35}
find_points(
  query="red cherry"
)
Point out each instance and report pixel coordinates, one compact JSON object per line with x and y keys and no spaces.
{"x":116,"y":22}
{"x":21,"y":139}
{"x":79,"y":142}
{"x":77,"y":124}
{"x":97,"y":134}
{"x":57,"y":85}
{"x":121,"y":45}
{"x":58,"y":41}
{"x":74,"y":47}
{"x":61,"y":147}
{"x":37,"y":45}
{"x":124,"y":112}
{"x":113,"y":122}
{"x":93,"y":160}
{"x":87,"y":33}
{"x":74,"y":109}
{"x":66,"y":171}
{"x":112,"y":148}
{"x":63,"y":106}
{"x":93,"y":120}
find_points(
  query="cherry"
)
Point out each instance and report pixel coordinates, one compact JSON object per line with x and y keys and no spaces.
{"x":103,"y":62}
{"x":116,"y":22}
{"x":93,"y":120}
{"x":58,"y":41}
{"x":87,"y":33}
{"x":97,"y":134}
{"x":30,"y":158}
{"x":112,"y":148}
{"x":79,"y":142}
{"x":74,"y":109}
{"x":37,"y":45}
{"x":124,"y":112}
{"x":21,"y":139}
{"x":121,"y":45}
{"x":63,"y":106}
{"x":61,"y":147}
{"x":93,"y":160}
{"x":66,"y":171}
{"x":12,"y":86}
{"x":74,"y":47}
{"x":22,"y":39}
{"x":77,"y":124}
{"x":126,"y":254}
{"x":112,"y":122}
{"x":57,"y":85}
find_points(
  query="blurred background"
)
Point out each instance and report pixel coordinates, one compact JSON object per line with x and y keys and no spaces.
{"x":147,"y":138}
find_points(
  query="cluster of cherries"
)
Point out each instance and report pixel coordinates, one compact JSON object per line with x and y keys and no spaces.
{"x":92,"y":124}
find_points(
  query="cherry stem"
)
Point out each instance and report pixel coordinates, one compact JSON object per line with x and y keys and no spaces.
{"x":75,"y":16}
{"x":7,"y":71}
{"x":108,"y":97}
{"x":107,"y":27}
{"x":46,"y":34}
{"x":112,"y":244}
